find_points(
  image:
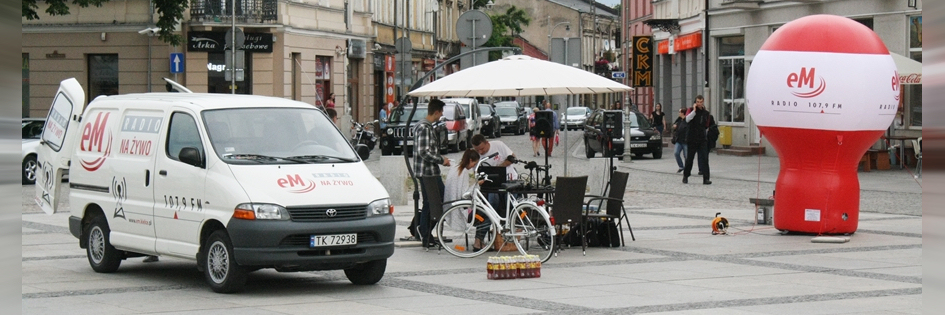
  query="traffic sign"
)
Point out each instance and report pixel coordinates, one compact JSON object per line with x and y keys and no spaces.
{"x":618,"y":75}
{"x":177,"y":62}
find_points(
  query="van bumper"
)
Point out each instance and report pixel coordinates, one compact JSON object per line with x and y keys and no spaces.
{"x":75,"y":226}
{"x":285,"y":245}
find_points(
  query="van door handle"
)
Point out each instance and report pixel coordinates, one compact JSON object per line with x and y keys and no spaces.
{"x":162,"y":173}
{"x":147,"y":178}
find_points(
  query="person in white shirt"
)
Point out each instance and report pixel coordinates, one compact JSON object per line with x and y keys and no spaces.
{"x":487,"y":148}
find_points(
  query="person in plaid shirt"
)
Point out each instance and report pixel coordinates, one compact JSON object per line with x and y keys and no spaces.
{"x":427,"y":161}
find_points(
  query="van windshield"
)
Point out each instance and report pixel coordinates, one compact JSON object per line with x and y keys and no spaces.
{"x":276,"y":136}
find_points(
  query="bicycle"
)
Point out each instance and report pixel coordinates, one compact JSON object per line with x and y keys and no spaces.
{"x":526,"y":224}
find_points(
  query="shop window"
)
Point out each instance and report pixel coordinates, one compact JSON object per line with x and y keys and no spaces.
{"x":731,"y":98}
{"x":322,"y":80}
{"x":217,"y":79}
{"x":103,"y":75}
{"x":913,"y":92}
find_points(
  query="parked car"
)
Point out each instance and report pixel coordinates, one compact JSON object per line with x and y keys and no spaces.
{"x":575,"y":117}
{"x":512,"y":120}
{"x":471,"y":111}
{"x":457,"y":129}
{"x":490,"y":121}
{"x":644,"y":139}
{"x":395,"y":143}
{"x":32,"y":130}
{"x":516,"y":104}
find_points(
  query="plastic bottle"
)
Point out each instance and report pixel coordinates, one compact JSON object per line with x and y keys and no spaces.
{"x":500,"y":269}
{"x":537,"y":267}
{"x":490,"y":268}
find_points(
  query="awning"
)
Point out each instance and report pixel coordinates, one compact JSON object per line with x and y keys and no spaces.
{"x":910,"y":71}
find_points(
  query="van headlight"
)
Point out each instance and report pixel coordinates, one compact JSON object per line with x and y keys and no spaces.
{"x":260,"y":211}
{"x":380,"y":207}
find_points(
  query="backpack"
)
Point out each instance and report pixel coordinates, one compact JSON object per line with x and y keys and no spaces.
{"x":609,"y":235}
{"x":573,"y":237}
{"x":712,"y":134}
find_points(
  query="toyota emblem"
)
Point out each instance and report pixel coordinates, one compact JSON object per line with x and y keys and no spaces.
{"x":331,"y":213}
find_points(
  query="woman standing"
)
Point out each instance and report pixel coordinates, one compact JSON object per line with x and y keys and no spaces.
{"x":457,"y":184}
{"x":659,"y":118}
{"x":331,"y":101}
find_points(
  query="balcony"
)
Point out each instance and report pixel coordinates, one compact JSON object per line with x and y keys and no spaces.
{"x":247,"y":11}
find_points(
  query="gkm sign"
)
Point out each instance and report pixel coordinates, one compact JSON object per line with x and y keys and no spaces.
{"x":296,"y":184}
{"x":804,"y":80}
{"x":92,"y":141}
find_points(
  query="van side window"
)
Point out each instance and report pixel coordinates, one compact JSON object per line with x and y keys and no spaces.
{"x":182,"y":133}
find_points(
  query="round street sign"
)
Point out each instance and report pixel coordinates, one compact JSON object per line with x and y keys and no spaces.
{"x":240,"y":38}
{"x":474,"y":28}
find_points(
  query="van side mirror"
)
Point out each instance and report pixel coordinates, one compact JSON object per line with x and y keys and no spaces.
{"x":190,"y":155}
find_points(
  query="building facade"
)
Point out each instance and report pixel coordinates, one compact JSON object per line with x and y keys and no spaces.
{"x":638,"y":52}
{"x":680,"y":63}
{"x":737,"y":30}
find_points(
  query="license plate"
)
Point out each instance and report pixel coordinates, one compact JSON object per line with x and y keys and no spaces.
{"x":409,"y":143}
{"x":638,"y":145}
{"x":334,"y":240}
{"x":400,"y":143}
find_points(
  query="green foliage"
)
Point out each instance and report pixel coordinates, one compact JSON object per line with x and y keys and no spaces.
{"x":504,"y":28}
{"x":170,"y":12}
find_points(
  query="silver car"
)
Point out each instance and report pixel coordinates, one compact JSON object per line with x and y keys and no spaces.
{"x":32,"y":130}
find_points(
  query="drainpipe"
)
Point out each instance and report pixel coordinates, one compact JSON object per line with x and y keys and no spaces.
{"x":150,"y":35}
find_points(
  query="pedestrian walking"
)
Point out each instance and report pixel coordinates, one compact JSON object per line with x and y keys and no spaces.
{"x":680,"y":132}
{"x":698,"y":119}
{"x":532,"y":133}
{"x":549,"y":143}
{"x":426,"y":162}
{"x":659,"y":118}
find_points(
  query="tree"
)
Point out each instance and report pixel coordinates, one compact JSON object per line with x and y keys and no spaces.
{"x":513,"y":21}
{"x":170,"y":12}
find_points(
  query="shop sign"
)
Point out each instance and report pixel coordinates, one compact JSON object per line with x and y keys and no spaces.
{"x":642,"y":61}
{"x":679,"y":43}
{"x":216,"y":42}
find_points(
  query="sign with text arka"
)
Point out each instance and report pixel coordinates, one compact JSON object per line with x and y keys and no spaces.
{"x":642,"y":61}
{"x":216,"y":42}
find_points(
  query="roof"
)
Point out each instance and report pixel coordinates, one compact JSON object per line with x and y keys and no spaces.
{"x":584,"y":6}
{"x":204,"y":101}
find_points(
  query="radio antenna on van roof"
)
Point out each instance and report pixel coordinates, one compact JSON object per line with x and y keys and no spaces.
{"x":172,"y":86}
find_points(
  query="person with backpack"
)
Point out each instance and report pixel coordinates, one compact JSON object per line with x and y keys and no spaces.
{"x":699,"y":121}
{"x":680,"y":131}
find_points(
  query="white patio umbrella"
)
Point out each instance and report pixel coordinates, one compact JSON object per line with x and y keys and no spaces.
{"x":910,"y":71}
{"x":519,"y":75}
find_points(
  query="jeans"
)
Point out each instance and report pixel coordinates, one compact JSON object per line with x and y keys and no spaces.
{"x":425,"y":227}
{"x":682,"y":151}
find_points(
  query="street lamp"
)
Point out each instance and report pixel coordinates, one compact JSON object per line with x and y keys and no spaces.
{"x":565,"y":61}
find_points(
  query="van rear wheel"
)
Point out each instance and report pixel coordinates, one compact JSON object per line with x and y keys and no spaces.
{"x":367,"y":273}
{"x":219,"y":265}
{"x":103,"y":257}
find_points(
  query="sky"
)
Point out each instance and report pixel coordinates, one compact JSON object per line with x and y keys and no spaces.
{"x":609,"y":3}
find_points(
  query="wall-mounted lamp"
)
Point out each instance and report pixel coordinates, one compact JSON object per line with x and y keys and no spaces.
{"x":377,"y":46}
{"x":913,"y":3}
{"x":339,"y":50}
{"x":491,"y":4}
{"x":103,"y":36}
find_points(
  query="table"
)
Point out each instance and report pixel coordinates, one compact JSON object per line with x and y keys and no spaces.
{"x":902,"y":148}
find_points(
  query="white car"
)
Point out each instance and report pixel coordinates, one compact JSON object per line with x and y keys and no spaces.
{"x":575,"y":117}
{"x":32,"y":130}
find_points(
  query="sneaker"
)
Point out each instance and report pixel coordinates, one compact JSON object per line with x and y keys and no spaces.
{"x":679,"y":171}
{"x":707,"y":182}
{"x":150,"y":259}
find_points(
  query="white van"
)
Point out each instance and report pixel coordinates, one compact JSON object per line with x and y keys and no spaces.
{"x":235,"y":182}
{"x":473,"y":120}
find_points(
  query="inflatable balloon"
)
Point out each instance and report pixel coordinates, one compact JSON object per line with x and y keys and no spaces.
{"x":822,"y":89}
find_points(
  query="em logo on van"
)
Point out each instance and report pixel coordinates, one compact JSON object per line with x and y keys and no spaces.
{"x":92,"y":141}
{"x":296,"y":184}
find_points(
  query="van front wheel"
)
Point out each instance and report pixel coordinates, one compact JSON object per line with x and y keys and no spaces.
{"x":220,"y":268}
{"x":367,"y":273}
{"x":103,"y":257}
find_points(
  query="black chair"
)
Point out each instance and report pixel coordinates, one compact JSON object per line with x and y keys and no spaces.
{"x":435,"y":199}
{"x":566,"y":206}
{"x":614,"y":209}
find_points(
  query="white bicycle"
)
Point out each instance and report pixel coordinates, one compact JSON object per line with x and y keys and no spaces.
{"x":526,"y":225}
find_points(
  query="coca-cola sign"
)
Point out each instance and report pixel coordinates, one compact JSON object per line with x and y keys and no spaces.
{"x":913,"y":78}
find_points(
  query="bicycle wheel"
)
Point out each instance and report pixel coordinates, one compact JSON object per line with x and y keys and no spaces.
{"x":532,"y":231}
{"x":464,"y":226}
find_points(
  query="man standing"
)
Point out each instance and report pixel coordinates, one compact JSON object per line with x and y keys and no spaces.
{"x":485,"y":148}
{"x":698,"y":120}
{"x":426,"y":162}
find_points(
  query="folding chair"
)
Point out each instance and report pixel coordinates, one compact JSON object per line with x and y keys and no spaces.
{"x":615,"y":208}
{"x":566,"y":205}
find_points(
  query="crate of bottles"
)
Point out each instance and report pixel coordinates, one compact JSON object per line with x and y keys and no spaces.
{"x":513,"y":267}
